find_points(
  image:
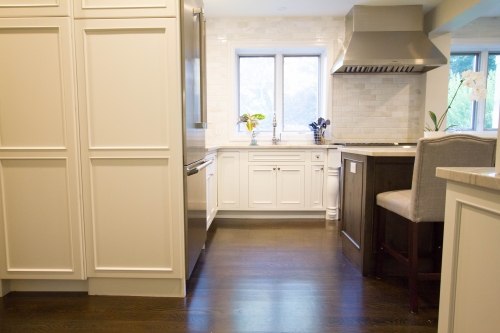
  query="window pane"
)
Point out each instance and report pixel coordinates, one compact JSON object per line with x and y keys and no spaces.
{"x":300,"y":92}
{"x":493,"y":96}
{"x":462,"y":109}
{"x":257,"y":89}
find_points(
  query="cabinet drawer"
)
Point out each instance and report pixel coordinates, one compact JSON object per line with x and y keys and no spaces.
{"x":276,"y":156}
{"x":317,"y":156}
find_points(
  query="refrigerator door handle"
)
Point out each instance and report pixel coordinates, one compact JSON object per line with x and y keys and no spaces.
{"x":197,"y":169}
{"x":203,"y":69}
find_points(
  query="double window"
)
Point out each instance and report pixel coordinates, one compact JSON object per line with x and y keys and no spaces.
{"x":286,"y":82}
{"x":468,"y":115}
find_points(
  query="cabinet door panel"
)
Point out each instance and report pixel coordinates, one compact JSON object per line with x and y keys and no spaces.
{"x":228,"y":186}
{"x":317,"y":179}
{"x":129,"y":98}
{"x":290,"y":187}
{"x":262,"y":186}
{"x":125,"y":8}
{"x":40,"y":201}
{"x":353,"y":200}
{"x":32,"y":8}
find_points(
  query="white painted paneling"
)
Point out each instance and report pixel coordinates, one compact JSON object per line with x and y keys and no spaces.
{"x":262,"y":186}
{"x":41,"y":215}
{"x":131,"y":214}
{"x":126,"y":95}
{"x":36,"y":215}
{"x":31,"y":8}
{"x":317,"y":180}
{"x":125,"y":8}
{"x":31,"y":86}
{"x":290,"y":186}
{"x":130,"y":117}
{"x":228,"y":186}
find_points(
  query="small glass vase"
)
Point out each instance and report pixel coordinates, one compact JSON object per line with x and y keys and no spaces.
{"x":253,"y":141}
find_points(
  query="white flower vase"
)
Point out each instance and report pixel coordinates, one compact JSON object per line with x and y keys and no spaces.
{"x":434,"y":134}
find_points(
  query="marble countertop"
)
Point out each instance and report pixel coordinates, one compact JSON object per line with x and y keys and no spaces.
{"x":381,"y":151}
{"x":482,"y":177}
{"x":212,"y":148}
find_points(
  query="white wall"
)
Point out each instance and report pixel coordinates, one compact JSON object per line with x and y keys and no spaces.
{"x":483,"y":27}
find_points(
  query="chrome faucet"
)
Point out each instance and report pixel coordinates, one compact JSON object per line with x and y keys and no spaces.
{"x":275,"y":140}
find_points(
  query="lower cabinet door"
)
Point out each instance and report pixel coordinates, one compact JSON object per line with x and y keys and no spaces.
{"x":262,"y":186}
{"x":290,"y":187}
{"x":317,"y":180}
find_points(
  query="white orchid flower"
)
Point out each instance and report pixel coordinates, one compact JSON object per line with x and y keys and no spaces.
{"x":466,"y":74}
{"x":469,"y":83}
{"x":477,"y":76}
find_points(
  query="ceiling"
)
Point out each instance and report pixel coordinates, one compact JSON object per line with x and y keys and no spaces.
{"x":219,"y":8}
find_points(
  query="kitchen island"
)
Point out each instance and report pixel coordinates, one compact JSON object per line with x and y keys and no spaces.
{"x":365,"y":173}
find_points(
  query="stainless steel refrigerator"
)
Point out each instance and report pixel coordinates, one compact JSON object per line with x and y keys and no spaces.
{"x":194,"y":125}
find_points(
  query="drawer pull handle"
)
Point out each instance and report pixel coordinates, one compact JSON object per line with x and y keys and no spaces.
{"x":317,"y":156}
{"x":279,"y":169}
{"x":274,"y":168}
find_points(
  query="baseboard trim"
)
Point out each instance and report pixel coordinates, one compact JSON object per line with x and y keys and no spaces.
{"x":44,"y":285}
{"x":238,"y":214}
{"x":137,"y":287}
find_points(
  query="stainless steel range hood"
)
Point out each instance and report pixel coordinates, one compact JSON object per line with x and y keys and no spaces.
{"x":386,"y":39}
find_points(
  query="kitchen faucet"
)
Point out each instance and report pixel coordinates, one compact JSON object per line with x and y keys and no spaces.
{"x":275,"y":139}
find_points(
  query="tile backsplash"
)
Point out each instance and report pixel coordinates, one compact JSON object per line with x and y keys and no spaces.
{"x":483,"y":27}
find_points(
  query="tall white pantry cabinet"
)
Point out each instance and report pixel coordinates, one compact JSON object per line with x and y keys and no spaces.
{"x":90,"y":147}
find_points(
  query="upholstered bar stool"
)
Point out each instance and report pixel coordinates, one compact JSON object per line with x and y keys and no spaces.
{"x":425,"y":201}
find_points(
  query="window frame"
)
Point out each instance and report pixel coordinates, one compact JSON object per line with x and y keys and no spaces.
{"x":279,"y":55}
{"x":484,"y":46}
{"x":322,"y":49}
{"x":477,"y":112}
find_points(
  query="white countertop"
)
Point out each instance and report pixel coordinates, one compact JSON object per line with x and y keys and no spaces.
{"x":212,"y":148}
{"x":482,"y":177}
{"x":381,"y":151}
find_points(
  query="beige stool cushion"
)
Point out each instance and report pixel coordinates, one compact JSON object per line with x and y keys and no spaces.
{"x":396,"y":201}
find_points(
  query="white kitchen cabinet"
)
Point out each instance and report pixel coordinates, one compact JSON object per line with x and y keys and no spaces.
{"x":276,"y":186}
{"x":35,"y":8}
{"x":41,"y":232}
{"x":211,"y":189}
{"x":125,"y":8}
{"x":262,"y":180}
{"x":317,"y":186}
{"x":273,"y":179}
{"x":129,"y":106}
{"x":469,"y":290}
{"x":228,"y":181}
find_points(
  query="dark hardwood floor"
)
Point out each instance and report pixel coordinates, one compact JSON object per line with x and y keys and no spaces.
{"x":254,"y":276}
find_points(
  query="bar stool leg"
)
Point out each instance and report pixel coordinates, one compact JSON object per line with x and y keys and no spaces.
{"x":413,"y":265}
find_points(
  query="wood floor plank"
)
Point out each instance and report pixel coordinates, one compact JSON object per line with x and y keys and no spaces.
{"x":254,"y":276}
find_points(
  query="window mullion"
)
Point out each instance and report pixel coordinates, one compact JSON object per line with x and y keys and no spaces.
{"x":481,"y":104}
{"x":279,"y":93}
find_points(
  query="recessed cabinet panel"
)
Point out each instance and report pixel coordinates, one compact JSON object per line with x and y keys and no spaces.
{"x":290,"y":188}
{"x":30,"y":8}
{"x":31,"y":86}
{"x":127,"y":96}
{"x":317,"y":176}
{"x":262,"y":186}
{"x":125,"y":8}
{"x":131,"y":217}
{"x":228,"y":187}
{"x":36,"y":216}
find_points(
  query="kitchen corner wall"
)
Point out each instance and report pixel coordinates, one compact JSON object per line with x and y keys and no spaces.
{"x":483,"y":27}
{"x":378,"y":108}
